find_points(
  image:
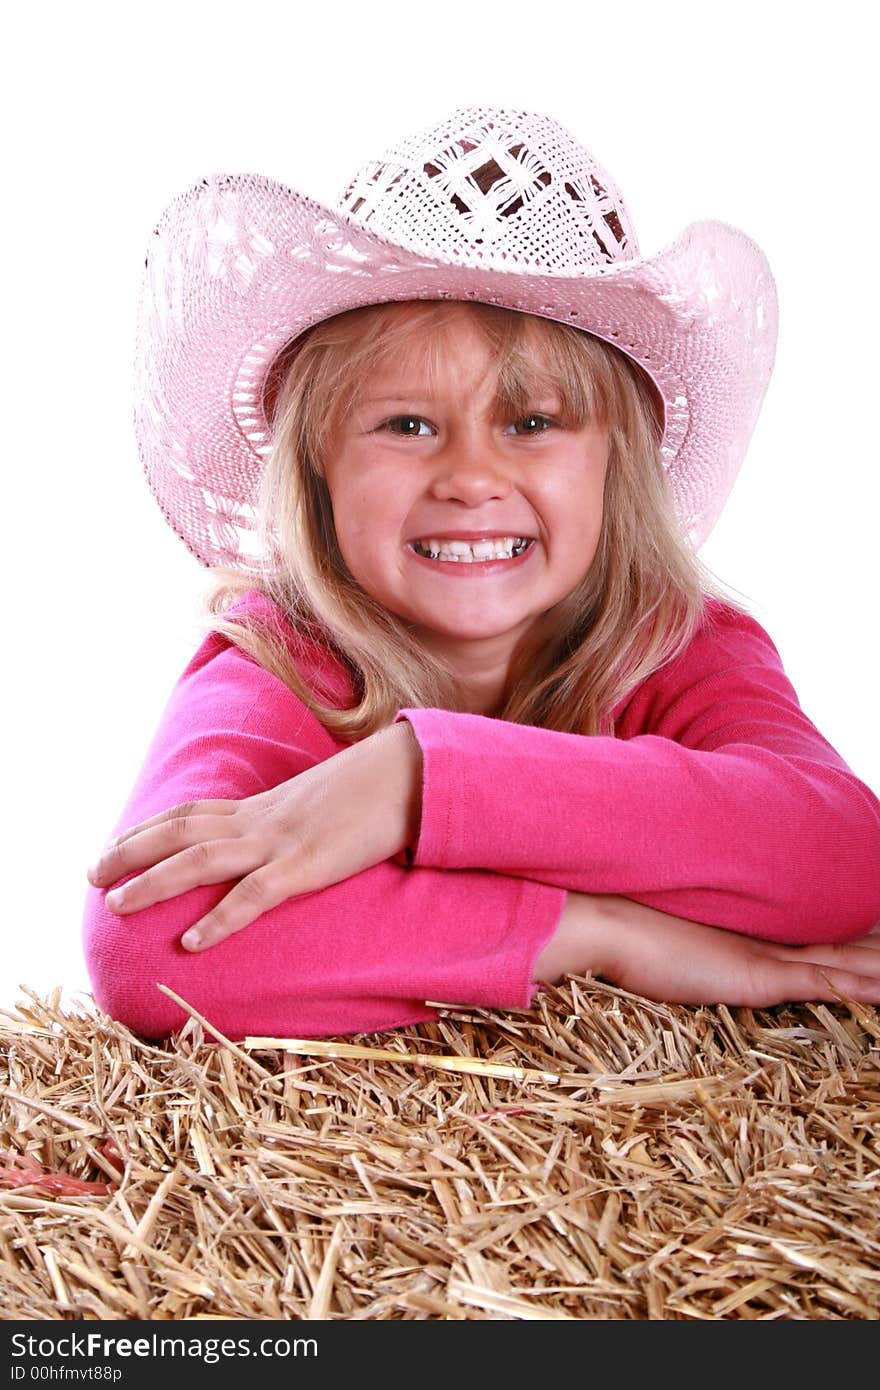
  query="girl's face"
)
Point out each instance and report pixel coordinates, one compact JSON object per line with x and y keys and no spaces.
{"x":467,"y":524}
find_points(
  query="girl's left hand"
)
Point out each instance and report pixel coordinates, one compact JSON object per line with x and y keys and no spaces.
{"x":356,"y":809}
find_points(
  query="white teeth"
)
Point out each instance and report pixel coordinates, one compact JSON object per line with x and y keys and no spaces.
{"x":465,"y":552}
{"x":482,"y":550}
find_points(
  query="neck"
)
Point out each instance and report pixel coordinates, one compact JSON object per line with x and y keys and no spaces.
{"x":480,"y":671}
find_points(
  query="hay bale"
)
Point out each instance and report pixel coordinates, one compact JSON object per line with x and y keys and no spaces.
{"x":597,"y":1157}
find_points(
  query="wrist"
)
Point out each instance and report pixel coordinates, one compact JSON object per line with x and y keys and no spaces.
{"x":582,"y":941}
{"x":405,"y":768}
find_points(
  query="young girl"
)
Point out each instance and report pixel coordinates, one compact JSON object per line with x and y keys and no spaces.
{"x":470,"y":714}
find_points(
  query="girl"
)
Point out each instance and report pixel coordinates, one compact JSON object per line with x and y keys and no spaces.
{"x":470,"y":713}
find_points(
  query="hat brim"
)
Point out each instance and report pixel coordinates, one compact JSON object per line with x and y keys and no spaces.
{"x":241,"y":266}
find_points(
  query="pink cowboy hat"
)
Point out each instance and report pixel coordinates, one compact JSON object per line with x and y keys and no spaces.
{"x":503,"y":207}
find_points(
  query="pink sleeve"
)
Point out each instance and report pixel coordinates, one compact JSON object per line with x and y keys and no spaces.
{"x":717,"y":800}
{"x":363,"y":955}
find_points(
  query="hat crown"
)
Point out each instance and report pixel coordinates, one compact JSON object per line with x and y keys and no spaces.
{"x":487,"y":188}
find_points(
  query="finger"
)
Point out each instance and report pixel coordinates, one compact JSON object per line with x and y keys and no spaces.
{"x":212,"y":861}
{"x":847,"y":984}
{"x":185,"y":810}
{"x":788,"y":982}
{"x":861,"y":957}
{"x":259,"y":892}
{"x":148,"y":844}
{"x":870,"y":941}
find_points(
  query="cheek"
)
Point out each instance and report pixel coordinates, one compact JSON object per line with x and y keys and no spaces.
{"x":576,"y":504}
{"x":370,"y":506}
{"x":349,"y":501}
{"x":577,"y":532}
{"x":354,"y":540}
{"x":591,"y":522}
{"x":362,"y":526}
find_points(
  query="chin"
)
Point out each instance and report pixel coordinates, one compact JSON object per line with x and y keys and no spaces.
{"x":472,"y":632}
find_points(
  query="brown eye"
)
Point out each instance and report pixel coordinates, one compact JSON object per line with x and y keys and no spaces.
{"x":529,"y":424}
{"x":412,"y":425}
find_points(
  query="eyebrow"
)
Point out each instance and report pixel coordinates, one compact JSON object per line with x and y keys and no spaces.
{"x":413,"y":396}
{"x":397,"y":396}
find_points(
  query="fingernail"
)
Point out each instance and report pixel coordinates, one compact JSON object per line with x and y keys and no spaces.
{"x":115,"y":898}
{"x":191,"y":940}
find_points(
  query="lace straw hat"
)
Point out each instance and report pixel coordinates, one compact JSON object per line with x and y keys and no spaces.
{"x":503,"y":207}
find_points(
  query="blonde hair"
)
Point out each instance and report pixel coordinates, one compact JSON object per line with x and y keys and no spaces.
{"x":637,"y":608}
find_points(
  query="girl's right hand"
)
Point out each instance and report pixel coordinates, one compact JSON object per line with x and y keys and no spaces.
{"x":674,"y":961}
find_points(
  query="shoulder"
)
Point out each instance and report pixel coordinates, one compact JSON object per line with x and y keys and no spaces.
{"x":730,"y":654}
{"x":254,"y":612}
{"x":727,"y":633}
{"x":227,"y":699}
{"x":727,"y":639}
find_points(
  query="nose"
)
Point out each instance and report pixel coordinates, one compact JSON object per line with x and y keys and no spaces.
{"x":469,"y":471}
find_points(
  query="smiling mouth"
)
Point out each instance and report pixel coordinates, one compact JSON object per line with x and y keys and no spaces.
{"x":472,"y":552}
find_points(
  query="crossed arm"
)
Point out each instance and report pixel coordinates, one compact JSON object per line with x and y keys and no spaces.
{"x":351,"y":813}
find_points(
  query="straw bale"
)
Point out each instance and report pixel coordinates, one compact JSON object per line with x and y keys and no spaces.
{"x":596,"y":1157}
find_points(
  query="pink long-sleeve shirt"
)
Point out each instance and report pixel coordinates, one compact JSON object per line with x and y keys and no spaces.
{"x":716,"y":799}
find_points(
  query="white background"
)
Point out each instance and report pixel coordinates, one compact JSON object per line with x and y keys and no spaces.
{"x":759,"y":114}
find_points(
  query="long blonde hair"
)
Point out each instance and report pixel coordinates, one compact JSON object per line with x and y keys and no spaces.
{"x":637,"y":608}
